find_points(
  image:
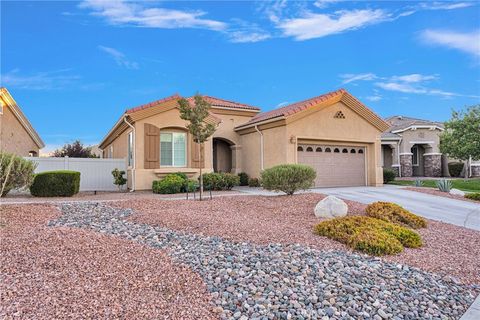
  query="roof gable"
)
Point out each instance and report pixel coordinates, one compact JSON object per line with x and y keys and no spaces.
{"x":402,"y":123}
{"x":325,"y":99}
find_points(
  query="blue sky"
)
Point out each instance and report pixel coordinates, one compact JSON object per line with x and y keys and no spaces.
{"x":74,"y":67}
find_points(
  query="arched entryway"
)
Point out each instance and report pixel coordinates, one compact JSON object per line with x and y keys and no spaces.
{"x":222,"y":155}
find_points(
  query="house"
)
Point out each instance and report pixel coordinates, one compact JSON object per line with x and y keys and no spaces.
{"x":16,"y":133}
{"x":411,"y":147}
{"x":334,"y":133}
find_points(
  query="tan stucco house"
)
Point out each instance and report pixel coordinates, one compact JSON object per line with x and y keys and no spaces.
{"x":411,"y":147}
{"x":334,"y":133}
{"x":16,"y":132}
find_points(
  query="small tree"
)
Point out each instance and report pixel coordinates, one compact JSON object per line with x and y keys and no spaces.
{"x":118,"y":178}
{"x":74,"y":150}
{"x":461,"y":138}
{"x":15,"y":172}
{"x":198,"y":128}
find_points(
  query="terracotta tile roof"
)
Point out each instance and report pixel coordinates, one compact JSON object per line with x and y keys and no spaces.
{"x":229,"y":104}
{"x":152,"y":104}
{"x":294,"y":107}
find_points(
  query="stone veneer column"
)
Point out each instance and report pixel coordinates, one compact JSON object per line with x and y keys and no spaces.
{"x":432,"y":164}
{"x":396,"y":169}
{"x":406,"y":164}
{"x":476,"y":171}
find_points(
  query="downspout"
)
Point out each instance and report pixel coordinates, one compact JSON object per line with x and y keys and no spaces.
{"x":398,"y":156}
{"x":261,"y":147}
{"x":134,"y":152}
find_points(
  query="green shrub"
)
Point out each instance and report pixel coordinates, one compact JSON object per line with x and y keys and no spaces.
{"x":473,"y":196}
{"x":254,"y":182}
{"x":118,"y":178}
{"x":15,"y":172}
{"x":388,"y":175}
{"x":455,"y":169}
{"x":220,"y":181}
{"x":369,"y":235}
{"x":61,"y":183}
{"x":394,"y":213}
{"x":243,"y":178}
{"x":191,"y":186}
{"x":172,"y":183}
{"x":288,"y":178}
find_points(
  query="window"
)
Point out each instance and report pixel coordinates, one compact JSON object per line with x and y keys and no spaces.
{"x":299,"y":148}
{"x":130,"y":149}
{"x":415,"y":156}
{"x":309,"y":149}
{"x":110,"y":152}
{"x":353,"y":151}
{"x":328,"y":150}
{"x":319,"y":149}
{"x":173,"y":149}
{"x":344,"y":151}
{"x":360,"y":150}
{"x":336,"y":150}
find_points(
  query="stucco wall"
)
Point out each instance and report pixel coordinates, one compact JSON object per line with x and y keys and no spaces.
{"x":13,"y":136}
{"x":420,"y":136}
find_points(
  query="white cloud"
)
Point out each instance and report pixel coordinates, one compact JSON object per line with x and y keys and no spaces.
{"x":349,"y":77}
{"x":138,"y":14}
{"x":282,"y":104}
{"x":444,"y":5}
{"x":409,"y":88}
{"x":312,"y":25}
{"x":50,"y":80}
{"x":414,"y":78}
{"x":466,"y":42}
{"x":119,"y":58}
{"x":246,"y":36}
{"x":374,"y":98}
{"x":325,"y":3}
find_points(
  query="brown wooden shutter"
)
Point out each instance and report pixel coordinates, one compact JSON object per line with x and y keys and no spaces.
{"x":196,"y":163}
{"x":152,"y":146}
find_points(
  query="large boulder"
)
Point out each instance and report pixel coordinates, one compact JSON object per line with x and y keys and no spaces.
{"x":331,"y":207}
{"x":457,"y":192}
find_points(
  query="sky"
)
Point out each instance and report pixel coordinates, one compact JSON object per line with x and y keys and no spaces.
{"x":74,"y":67}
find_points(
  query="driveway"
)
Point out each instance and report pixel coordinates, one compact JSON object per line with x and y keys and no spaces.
{"x":457,"y":212}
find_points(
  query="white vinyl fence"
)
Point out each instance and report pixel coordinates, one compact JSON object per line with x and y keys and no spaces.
{"x":95,"y":173}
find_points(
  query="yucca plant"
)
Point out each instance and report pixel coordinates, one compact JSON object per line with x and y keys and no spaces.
{"x":418,"y":183}
{"x":444,"y":185}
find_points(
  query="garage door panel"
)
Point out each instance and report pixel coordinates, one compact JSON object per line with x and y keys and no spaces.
{"x":335,"y":168}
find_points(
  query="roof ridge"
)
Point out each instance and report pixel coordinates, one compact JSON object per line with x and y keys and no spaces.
{"x":231,"y":101}
{"x":150,"y":104}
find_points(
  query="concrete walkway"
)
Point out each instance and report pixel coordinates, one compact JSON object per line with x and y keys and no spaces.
{"x":473,"y":313}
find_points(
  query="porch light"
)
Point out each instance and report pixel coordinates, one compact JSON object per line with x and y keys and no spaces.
{"x":293,"y":139}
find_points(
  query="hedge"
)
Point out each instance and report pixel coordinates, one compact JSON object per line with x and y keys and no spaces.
{"x":61,"y":183}
{"x":220,"y":181}
{"x":288,"y":178}
{"x":388,"y":175}
{"x":172,"y":183}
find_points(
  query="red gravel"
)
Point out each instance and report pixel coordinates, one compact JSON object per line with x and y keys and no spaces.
{"x":439,"y":193}
{"x":449,"y":249}
{"x":63,"y":273}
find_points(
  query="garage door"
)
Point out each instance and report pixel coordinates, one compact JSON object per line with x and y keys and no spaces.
{"x":336,"y":166}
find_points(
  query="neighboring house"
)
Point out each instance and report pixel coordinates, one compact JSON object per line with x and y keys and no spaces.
{"x":334,"y":133}
{"x":16,"y":133}
{"x":411,"y":147}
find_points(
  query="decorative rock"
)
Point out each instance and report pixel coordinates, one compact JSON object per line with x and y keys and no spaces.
{"x":457,"y":192}
{"x":331,"y":207}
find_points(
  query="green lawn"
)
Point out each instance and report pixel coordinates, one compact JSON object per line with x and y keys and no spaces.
{"x":470,"y":185}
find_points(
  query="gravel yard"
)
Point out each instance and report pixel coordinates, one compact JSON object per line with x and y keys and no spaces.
{"x":448,"y":249}
{"x":253,"y":281}
{"x":65,"y":273}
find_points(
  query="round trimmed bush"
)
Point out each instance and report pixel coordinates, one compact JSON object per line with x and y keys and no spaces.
{"x":172,"y":183}
{"x":374,"y":242}
{"x":254,"y":182}
{"x":455,"y":168}
{"x":388,"y":175}
{"x":288,"y":178}
{"x":243,"y":178}
{"x":394,"y":213}
{"x":61,"y":183}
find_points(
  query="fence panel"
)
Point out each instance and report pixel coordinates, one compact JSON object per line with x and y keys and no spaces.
{"x":95,"y":173}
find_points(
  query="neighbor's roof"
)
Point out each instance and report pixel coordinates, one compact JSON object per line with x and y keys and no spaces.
{"x":10,"y":102}
{"x":402,"y":122}
{"x":390,"y":136}
{"x":333,"y":97}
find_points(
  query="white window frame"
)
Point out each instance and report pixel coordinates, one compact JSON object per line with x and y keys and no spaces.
{"x":173,"y":133}
{"x":415,"y":156}
{"x":130,"y":149}
{"x":110,"y":152}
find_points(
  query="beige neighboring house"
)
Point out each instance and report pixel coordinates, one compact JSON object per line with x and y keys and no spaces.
{"x":411,"y":147}
{"x":16,"y":133}
{"x":334,"y":133}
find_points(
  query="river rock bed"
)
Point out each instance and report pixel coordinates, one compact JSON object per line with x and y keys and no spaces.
{"x":249,"y":281}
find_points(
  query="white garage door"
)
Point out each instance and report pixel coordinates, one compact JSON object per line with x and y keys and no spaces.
{"x":336,"y":166}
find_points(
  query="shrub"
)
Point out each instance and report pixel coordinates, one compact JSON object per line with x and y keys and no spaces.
{"x":191,"y":186}
{"x":15,"y":172}
{"x":455,"y":169}
{"x":418,"y":183}
{"x":388,"y":175}
{"x":394,"y":213}
{"x":473,"y":196}
{"x":288,"y":178}
{"x":61,"y":183}
{"x":118,"y":178}
{"x":444,"y":185}
{"x":220,"y":181}
{"x":254,"y":182}
{"x":243,"y":178}
{"x":369,"y":235}
{"x":172,"y":183}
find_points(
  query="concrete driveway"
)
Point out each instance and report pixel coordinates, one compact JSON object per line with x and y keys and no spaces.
{"x":458,"y":212}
